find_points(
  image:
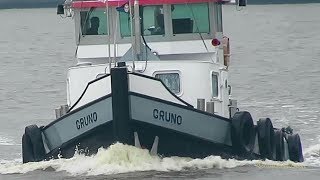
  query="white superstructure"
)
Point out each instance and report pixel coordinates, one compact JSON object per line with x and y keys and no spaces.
{"x":186,"y":51}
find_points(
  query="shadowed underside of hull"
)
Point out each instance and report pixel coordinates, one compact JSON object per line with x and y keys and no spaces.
{"x":171,"y":143}
{"x":88,"y":143}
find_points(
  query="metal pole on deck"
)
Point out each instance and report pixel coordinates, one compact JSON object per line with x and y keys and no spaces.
{"x":210,"y":107}
{"x":137,"y":33}
{"x":137,"y":27}
{"x":132,"y":38}
{"x":201,"y":104}
{"x":109,"y":39}
{"x":115,"y":42}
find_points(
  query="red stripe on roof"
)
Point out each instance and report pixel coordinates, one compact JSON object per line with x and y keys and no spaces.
{"x":97,"y":4}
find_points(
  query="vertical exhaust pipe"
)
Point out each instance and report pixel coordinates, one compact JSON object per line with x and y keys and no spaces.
{"x":210,"y":107}
{"x":201,"y":104}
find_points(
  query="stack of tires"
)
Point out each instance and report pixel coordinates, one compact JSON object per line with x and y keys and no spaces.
{"x":272,"y":142}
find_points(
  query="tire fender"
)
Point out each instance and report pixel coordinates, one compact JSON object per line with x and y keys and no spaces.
{"x":279,"y":143}
{"x":32,"y":145}
{"x":242,"y":132}
{"x":295,"y":148}
{"x":265,"y":138}
{"x":27,"y":152}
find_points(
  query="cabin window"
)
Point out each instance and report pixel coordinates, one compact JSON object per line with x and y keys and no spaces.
{"x":214,"y":85}
{"x":171,"y":80}
{"x":125,"y":24}
{"x":218,"y":18}
{"x":94,"y":22}
{"x":190,"y":18}
{"x":152,"y":21}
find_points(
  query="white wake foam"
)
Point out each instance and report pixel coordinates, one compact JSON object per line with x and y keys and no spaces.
{"x":120,"y":158}
{"x":312,"y":155}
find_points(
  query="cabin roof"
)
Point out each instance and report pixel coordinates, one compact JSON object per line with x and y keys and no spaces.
{"x":116,"y":3}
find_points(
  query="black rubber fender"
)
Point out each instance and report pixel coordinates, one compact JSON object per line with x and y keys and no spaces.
{"x":295,"y":148}
{"x":279,"y":143}
{"x":32,"y":145}
{"x":242,"y":132}
{"x":27,"y":152}
{"x":265,"y":138}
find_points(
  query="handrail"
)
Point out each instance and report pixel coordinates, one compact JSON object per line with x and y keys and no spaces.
{"x":117,"y":3}
{"x":153,"y":78}
{"x":95,"y":80}
{"x":137,"y":74}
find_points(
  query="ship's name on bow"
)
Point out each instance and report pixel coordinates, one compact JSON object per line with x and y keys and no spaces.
{"x":166,"y":116}
{"x":86,"y":120}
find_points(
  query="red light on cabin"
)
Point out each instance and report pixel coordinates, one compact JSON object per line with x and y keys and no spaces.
{"x":215,"y":42}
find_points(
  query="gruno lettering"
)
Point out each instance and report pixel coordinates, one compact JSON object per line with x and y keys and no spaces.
{"x":86,"y":120}
{"x":168,"y":117}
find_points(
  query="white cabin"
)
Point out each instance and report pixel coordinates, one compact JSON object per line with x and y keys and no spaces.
{"x":184,"y":47}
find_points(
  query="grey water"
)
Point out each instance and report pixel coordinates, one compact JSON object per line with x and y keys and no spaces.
{"x":274,"y":72}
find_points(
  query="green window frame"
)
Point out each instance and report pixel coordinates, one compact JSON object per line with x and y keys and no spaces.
{"x":190,"y":18}
{"x":91,"y":17}
{"x":152,"y":21}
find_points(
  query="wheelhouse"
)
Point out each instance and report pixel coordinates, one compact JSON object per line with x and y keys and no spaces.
{"x":196,"y":23}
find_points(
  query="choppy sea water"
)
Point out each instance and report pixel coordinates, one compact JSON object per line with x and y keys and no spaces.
{"x":274,"y":73}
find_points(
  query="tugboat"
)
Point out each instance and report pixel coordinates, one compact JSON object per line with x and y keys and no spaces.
{"x":154,"y":74}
